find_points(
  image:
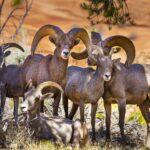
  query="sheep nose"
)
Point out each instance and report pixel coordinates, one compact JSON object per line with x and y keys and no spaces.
{"x":66,"y":52}
{"x":107,"y":76}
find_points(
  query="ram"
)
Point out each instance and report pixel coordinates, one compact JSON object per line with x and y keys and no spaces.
{"x":78,"y":88}
{"x":129,"y":85}
{"x":10,"y":79}
{"x":41,"y":68}
{"x":56,"y":129}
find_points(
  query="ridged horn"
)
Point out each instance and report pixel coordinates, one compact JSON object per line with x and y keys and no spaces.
{"x":51,"y":30}
{"x":83,"y":35}
{"x":9,"y":45}
{"x":125,"y":43}
{"x":96,"y":38}
{"x":43,"y":85}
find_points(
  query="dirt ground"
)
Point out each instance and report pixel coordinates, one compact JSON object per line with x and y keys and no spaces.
{"x":18,"y":138}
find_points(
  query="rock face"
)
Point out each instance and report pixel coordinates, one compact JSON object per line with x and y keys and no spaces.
{"x":68,"y":14}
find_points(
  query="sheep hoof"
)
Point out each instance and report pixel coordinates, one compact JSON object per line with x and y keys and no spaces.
{"x":125,"y":140}
{"x":108,"y":140}
{"x":108,"y":144}
{"x":15,"y":124}
{"x":94,"y":142}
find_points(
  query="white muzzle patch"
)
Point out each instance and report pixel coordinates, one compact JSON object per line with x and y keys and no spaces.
{"x":24,"y":107}
{"x":65,"y":53}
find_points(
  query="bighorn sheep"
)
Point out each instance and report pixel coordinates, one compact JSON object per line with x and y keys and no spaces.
{"x":41,"y":68}
{"x":129,"y":85}
{"x":82,"y":87}
{"x":107,"y":46}
{"x":10,"y":78}
{"x":58,"y":130}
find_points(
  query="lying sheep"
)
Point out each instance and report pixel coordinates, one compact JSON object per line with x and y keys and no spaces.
{"x":56,"y":129}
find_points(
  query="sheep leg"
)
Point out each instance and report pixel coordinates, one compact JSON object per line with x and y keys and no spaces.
{"x":146,"y":114}
{"x":16,"y":104}
{"x":82,"y":111}
{"x":76,"y":134}
{"x":42,"y":107}
{"x":93,"y":113}
{"x":122,"y":111}
{"x":3,"y":100}
{"x":56,"y":104}
{"x":73,"y":111}
{"x":65,"y":104}
{"x":107,"y":107}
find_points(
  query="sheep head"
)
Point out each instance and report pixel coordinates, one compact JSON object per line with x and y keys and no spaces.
{"x":111,"y":43}
{"x":103,"y":62}
{"x":34,"y":96}
{"x":64,"y":42}
{"x":4,"y":53}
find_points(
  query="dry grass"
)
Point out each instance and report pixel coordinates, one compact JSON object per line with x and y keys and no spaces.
{"x":19,"y":138}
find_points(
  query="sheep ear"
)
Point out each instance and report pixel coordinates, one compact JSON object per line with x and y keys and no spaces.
{"x":91,"y":62}
{"x":116,"y":49}
{"x":76,"y":42}
{"x":53,"y":40}
{"x":116,"y":64}
{"x":7,"y":53}
{"x":92,"y":58}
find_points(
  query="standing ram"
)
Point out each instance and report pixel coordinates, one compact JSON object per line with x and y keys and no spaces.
{"x":41,"y":68}
{"x":11,"y":85}
{"x":129,"y":85}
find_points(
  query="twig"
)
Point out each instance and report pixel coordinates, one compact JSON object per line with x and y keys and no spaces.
{"x":19,"y":19}
{"x":28,"y":7}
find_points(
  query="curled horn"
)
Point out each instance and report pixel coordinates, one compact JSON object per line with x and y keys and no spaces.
{"x":51,"y":30}
{"x":83,"y":35}
{"x":43,"y":85}
{"x":5,"y":46}
{"x":79,"y":56}
{"x":123,"y":42}
{"x":96,"y":38}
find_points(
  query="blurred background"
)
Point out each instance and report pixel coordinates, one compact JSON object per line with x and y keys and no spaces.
{"x":69,"y":13}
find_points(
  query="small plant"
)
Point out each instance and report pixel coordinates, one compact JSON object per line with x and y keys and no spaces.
{"x":136,"y":117}
{"x":107,"y":11}
{"x":100,"y":116}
